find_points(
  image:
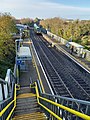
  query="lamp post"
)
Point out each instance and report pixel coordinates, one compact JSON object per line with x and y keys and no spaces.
{"x":21,"y":37}
{"x":20,"y":33}
{"x":17,"y":44}
{"x":71,"y":38}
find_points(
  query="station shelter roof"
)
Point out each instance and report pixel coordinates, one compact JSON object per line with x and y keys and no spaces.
{"x":76,"y":45}
{"x":24,"y":53}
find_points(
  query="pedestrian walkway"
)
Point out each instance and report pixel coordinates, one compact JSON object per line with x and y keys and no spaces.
{"x":29,"y":74}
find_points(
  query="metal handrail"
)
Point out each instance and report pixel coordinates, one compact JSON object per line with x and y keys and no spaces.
{"x":6,"y":108}
{"x":3,"y":81}
{"x":14,"y":103}
{"x":63,"y":107}
{"x":68,"y":99}
{"x":51,"y":112}
{"x":86,"y":117}
{"x":12,"y":74}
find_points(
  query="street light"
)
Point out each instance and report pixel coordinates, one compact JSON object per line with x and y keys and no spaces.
{"x":20,"y":33}
{"x":17,"y":44}
{"x":70,"y":39}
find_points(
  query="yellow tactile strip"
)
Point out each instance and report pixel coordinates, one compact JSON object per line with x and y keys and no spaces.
{"x":26,"y":95}
{"x":32,"y":116}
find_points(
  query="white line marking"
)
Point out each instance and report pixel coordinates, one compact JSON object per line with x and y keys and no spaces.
{"x":42,"y":69}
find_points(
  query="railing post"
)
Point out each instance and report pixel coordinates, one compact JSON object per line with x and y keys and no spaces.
{"x":87,"y":110}
{"x":3,"y":94}
{"x":8,"y":89}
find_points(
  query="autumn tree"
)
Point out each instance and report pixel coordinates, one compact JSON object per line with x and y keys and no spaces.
{"x":7,"y":45}
{"x":78,"y":30}
{"x":27,"y":21}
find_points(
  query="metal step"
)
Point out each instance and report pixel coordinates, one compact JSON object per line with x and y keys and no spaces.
{"x":32,"y":116}
{"x":27,"y":111}
{"x":24,"y":90}
{"x":26,"y":106}
{"x":25,"y":101}
{"x":26,"y":95}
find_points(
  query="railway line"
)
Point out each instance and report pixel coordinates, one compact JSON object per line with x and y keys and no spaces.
{"x":64,"y":76}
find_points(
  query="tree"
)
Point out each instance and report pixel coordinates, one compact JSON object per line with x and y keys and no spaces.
{"x":7,"y":45}
{"x":27,"y":21}
{"x":64,"y":28}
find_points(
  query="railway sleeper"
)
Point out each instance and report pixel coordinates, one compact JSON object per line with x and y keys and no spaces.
{"x":58,"y":85}
{"x":63,"y":92}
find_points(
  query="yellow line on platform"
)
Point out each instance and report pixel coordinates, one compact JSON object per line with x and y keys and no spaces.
{"x":27,"y":42}
{"x":37,"y":70}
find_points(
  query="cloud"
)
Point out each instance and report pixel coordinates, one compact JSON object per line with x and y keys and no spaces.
{"x":58,"y":6}
{"x":43,"y":9}
{"x":48,"y":9}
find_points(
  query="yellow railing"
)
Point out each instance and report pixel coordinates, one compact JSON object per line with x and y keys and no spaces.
{"x":74,"y":112}
{"x":13,"y":101}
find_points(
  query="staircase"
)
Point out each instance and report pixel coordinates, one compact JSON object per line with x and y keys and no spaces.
{"x":27,"y":107}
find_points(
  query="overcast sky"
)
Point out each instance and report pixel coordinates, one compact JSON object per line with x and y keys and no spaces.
{"x":70,"y":9}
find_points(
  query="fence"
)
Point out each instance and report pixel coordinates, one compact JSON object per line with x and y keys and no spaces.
{"x":64,"y":41}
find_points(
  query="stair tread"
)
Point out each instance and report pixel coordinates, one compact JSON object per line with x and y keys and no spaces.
{"x":25,"y":95}
{"x":27,"y":111}
{"x":26,"y":100}
{"x":26,"y":103}
{"x":33,"y":97}
{"x":26,"y":107}
{"x":32,"y":116}
{"x":42,"y":118}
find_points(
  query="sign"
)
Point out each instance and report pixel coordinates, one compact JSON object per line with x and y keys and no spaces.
{"x":19,"y":62}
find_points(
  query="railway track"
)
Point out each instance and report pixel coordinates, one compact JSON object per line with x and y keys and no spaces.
{"x":64,"y":76}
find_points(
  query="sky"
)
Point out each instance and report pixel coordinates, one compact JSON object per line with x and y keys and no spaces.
{"x":67,"y":9}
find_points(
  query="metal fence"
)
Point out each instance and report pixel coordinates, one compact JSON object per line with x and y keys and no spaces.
{"x":62,"y":108}
{"x":7,"y":88}
{"x":64,"y":41}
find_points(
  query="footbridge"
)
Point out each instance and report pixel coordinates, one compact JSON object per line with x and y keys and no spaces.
{"x":25,"y":94}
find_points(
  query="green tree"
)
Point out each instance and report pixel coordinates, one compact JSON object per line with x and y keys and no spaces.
{"x":7,"y":45}
{"x":67,"y":29}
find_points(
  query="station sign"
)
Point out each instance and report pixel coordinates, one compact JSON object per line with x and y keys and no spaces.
{"x":19,"y":62}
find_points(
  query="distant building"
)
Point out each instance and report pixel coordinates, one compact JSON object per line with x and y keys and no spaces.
{"x":21,"y":26}
{"x":70,"y":20}
{"x":17,"y":21}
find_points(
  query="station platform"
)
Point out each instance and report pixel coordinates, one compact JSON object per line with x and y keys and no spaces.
{"x":33,"y":70}
{"x":82,"y":61}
